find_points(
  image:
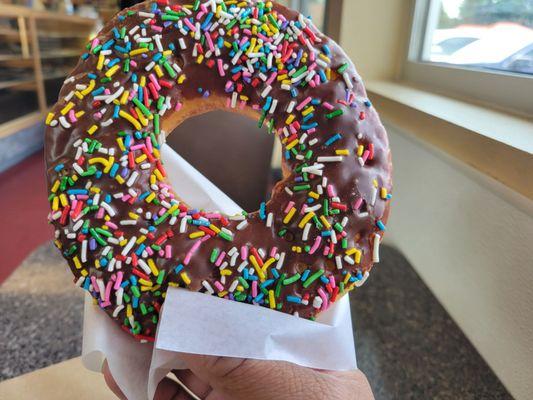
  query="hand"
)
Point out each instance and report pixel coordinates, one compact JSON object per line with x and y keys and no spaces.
{"x":220,"y":378}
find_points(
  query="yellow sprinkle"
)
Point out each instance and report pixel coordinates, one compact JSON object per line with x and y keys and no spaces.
{"x":157,"y":173}
{"x":271,"y":299}
{"x":226,"y":272}
{"x":223,"y":293}
{"x":314,"y":195}
{"x":55,"y":186}
{"x":258,"y":269}
{"x":142,"y":82}
{"x":124,"y":97}
{"x":97,"y":264}
{"x":289,"y":119}
{"x":306,"y":219}
{"x":79,"y":114}
{"x":200,"y":59}
{"x":342,"y":152}
{"x":67,"y":108}
{"x":121,"y":144}
{"x":137,"y":52}
{"x":99,"y":160}
{"x":77,"y":262}
{"x":325,"y":222}
{"x":130,"y":118}
{"x":84,"y":272}
{"x":129,"y":311}
{"x":268,"y":263}
{"x":141,"y":239}
{"x":383,"y":193}
{"x":152,"y":266}
{"x":214,"y":228}
{"x":375,"y":182}
{"x":347,"y":278}
{"x":308,"y":110}
{"x":78,"y":94}
{"x":89,"y":88}
{"x":360,"y":150}
{"x":132,"y":215}
{"x":196,"y":234}
{"x":153,"y":179}
{"x":145,"y":282}
{"x":109,"y":165}
{"x":289,"y":215}
{"x":55,"y":203}
{"x":49,"y":118}
{"x":292,"y":144}
{"x":150,"y":197}
{"x":325,"y":58}
{"x":158,"y":71}
{"x":100,"y":63}
{"x":141,"y":158}
{"x":119,"y":179}
{"x":111,"y":71}
{"x":63,"y":199}
{"x":357,"y":253}
{"x":123,"y":242}
{"x":92,"y":129}
{"x":185,"y":278}
{"x":95,"y":189}
{"x":181,"y":79}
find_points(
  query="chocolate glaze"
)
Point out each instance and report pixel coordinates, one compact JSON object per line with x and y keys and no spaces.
{"x":349,"y":179}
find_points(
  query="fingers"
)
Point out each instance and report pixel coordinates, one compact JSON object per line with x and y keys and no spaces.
{"x":110,"y":382}
{"x":193,"y":383}
{"x":166,"y":390}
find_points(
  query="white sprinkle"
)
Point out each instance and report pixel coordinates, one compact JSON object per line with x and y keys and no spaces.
{"x":84,"y":251}
{"x":80,"y":280}
{"x":330,"y":159}
{"x":374,"y":195}
{"x":183,"y":225}
{"x":349,"y":260}
{"x":109,"y":209}
{"x":243,"y":265}
{"x":338,"y":262}
{"x":305,"y":234}
{"x":233,"y":286}
{"x":242,"y":225}
{"x":129,"y":246}
{"x":375,"y":251}
{"x":270,"y":217}
{"x":144,"y":266}
{"x":317,"y":302}
{"x":128,"y":222}
{"x":362,"y":281}
{"x":64,"y":123}
{"x":265,"y":92}
{"x":118,"y":309}
{"x":208,"y":287}
{"x":280,"y":261}
{"x":133,"y":177}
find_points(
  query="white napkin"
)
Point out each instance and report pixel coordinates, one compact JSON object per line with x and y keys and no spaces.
{"x":263,"y":334}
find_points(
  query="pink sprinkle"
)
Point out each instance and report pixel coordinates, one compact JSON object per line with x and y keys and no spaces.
{"x":289,"y":206}
{"x":118,"y":282}
{"x":220,"y":258}
{"x":94,"y":43}
{"x":193,"y":249}
{"x":149,"y":144}
{"x":149,"y":251}
{"x":316,"y":245}
{"x":111,"y":225}
{"x":365,"y":155}
{"x":168,"y":251}
{"x":154,"y":80}
{"x":95,"y":285}
{"x":304,"y":103}
{"x":72,"y":116}
{"x":358,"y":203}
{"x":331,"y":191}
{"x":100,"y":213}
{"x":327,"y":105}
{"x":254,"y":288}
{"x":272,"y":77}
{"x":133,"y":63}
{"x":108,"y":290}
{"x":221,"y":67}
{"x":273,"y":252}
{"x":332,"y":282}
{"x":244,"y":253}
{"x":210,"y":42}
{"x":219,"y":286}
{"x":325,"y":303}
{"x":157,"y":28}
{"x":189,"y":24}
{"x":178,"y":106}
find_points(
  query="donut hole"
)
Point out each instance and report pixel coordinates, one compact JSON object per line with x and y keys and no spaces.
{"x":231,"y":151}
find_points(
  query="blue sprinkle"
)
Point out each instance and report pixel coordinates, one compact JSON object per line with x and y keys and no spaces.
{"x":305,"y":275}
{"x":381,"y":225}
{"x":178,"y":268}
{"x":294,"y":299}
{"x":262,"y":210}
{"x":333,"y":139}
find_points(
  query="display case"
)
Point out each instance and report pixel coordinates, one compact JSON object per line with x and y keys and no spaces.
{"x":38,"y":49}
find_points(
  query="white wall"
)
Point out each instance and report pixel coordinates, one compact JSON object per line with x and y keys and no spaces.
{"x":471,"y":241}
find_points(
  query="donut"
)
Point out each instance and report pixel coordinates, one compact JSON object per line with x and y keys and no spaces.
{"x":122,"y":227}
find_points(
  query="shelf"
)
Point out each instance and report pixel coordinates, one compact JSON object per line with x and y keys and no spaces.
{"x":15,"y":125}
{"x":15,"y":83}
{"x":9,"y":32}
{"x":66,"y":53}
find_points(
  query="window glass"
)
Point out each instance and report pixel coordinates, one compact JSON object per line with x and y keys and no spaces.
{"x":490,"y":34}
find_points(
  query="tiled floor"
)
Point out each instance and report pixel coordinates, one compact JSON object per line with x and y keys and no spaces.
{"x":23,"y":211}
{"x":406,"y":343}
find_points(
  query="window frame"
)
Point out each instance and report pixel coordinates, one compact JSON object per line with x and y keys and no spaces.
{"x":497,"y":89}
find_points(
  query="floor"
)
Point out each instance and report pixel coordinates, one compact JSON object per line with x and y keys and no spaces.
{"x":23,"y":210}
{"x":406,"y":343}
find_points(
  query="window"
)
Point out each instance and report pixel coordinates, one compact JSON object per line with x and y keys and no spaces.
{"x":316,"y":9}
{"x":482,"y":49}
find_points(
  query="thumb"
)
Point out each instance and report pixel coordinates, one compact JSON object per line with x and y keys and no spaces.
{"x":243,"y":379}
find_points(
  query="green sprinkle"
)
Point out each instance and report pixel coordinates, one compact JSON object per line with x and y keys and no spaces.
{"x":334,"y":114}
{"x":313,"y":278}
{"x":292,"y":279}
{"x":343,"y":68}
{"x":214,"y":255}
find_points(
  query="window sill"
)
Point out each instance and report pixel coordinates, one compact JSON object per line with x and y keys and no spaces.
{"x":495,"y":143}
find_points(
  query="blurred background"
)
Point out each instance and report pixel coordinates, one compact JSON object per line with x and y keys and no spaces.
{"x":448,"y":314}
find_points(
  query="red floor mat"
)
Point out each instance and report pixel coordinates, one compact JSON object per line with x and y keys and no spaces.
{"x":23,"y":211}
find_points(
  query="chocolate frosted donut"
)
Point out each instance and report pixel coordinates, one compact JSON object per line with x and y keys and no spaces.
{"x":123,"y":229}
